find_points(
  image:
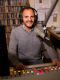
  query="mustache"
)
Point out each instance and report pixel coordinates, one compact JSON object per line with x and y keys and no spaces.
{"x":29,"y":21}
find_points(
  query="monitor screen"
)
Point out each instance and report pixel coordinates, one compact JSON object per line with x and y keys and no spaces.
{"x":4,"y":66}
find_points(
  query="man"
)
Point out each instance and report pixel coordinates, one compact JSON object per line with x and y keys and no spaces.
{"x":25,"y":46}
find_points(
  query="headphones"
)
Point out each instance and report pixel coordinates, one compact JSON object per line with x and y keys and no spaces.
{"x":28,"y":7}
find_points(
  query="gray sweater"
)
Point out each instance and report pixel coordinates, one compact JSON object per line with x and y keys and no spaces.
{"x":26,"y":46}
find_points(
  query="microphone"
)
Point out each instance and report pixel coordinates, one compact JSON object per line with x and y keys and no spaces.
{"x":41,"y":34}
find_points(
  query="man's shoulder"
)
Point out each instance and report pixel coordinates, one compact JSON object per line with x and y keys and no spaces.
{"x":17,"y":28}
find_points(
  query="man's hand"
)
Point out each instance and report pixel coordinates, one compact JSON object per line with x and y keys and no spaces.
{"x":56,"y":62}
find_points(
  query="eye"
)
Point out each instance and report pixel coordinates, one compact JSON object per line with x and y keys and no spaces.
{"x":26,"y":16}
{"x":32,"y":16}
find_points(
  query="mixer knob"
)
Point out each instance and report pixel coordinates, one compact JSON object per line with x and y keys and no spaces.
{"x":23,"y":71}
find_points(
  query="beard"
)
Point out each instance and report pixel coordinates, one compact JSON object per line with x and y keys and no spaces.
{"x":29,"y":24}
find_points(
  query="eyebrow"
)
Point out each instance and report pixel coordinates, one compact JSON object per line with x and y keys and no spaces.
{"x":28,"y":16}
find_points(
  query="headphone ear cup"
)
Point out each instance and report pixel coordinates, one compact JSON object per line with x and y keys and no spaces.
{"x":36,"y":16}
{"x":20,"y":17}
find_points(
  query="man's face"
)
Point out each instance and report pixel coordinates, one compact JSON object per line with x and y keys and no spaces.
{"x":28,"y":18}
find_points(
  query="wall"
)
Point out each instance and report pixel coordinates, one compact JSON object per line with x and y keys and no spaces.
{"x":56,"y":12}
{"x":32,"y":3}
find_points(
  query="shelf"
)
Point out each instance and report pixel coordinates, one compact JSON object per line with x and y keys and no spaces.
{"x":9,"y":14}
{"x":10,"y":11}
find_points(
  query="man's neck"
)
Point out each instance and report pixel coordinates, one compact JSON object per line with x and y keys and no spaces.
{"x":28,"y":29}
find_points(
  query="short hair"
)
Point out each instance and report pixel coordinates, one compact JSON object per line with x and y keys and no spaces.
{"x":28,"y":7}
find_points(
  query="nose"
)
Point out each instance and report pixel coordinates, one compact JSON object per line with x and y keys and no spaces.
{"x":30,"y":18}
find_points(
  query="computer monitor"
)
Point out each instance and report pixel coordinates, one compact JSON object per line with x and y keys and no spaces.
{"x":4,"y":65}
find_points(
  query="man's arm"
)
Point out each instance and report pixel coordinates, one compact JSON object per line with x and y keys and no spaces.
{"x":12,"y":52}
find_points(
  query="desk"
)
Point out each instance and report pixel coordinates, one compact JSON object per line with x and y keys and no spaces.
{"x":54,"y":33}
{"x":36,"y":72}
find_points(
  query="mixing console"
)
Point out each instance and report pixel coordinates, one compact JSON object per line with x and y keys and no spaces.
{"x":35,"y":72}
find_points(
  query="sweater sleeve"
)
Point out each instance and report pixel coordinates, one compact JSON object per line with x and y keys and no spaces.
{"x":12,"y":50}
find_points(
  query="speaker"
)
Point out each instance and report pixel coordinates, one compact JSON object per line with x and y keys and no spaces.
{"x":28,"y":7}
{"x":4,"y":65}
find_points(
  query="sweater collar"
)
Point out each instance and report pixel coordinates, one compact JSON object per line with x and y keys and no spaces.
{"x":26,"y":30}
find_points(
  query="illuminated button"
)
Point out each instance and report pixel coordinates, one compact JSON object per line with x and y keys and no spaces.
{"x":41,"y":72}
{"x":37,"y":73}
{"x":15,"y":73}
{"x":19,"y":72}
{"x":52,"y":69}
{"x":55,"y":68}
{"x":27,"y":72}
{"x":11,"y":71}
{"x":46,"y":68}
{"x":23,"y":71}
{"x":32,"y":71}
